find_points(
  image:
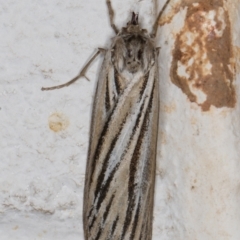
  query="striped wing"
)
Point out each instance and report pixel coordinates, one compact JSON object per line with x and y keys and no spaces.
{"x":120,"y":174}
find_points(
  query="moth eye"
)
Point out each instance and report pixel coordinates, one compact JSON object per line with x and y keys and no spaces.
{"x":139,"y":54}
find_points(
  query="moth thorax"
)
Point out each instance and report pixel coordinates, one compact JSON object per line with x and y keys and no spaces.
{"x":134,"y":53}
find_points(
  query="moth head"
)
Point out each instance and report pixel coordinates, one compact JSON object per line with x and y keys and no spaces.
{"x":132,"y":26}
{"x":133,"y":50}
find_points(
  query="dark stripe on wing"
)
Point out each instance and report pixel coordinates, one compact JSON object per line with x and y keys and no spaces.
{"x":144,"y":84}
{"x":113,"y":227}
{"x":108,"y":208}
{"x":107,"y":97}
{"x":117,"y":84}
{"x":131,"y":185}
{"x":135,"y":220}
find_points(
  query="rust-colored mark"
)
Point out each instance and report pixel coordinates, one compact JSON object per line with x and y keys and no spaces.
{"x":203,"y":65}
{"x":58,"y":122}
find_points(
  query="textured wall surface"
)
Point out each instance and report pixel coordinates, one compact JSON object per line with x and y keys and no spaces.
{"x":44,"y":135}
{"x":199,"y":164}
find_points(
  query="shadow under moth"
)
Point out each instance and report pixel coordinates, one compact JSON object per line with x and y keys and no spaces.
{"x":120,"y":171}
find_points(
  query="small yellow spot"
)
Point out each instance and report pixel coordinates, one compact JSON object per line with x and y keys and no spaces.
{"x":15,"y":228}
{"x":169,"y":108}
{"x":58,"y":122}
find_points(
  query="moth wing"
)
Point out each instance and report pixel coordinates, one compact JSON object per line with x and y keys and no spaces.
{"x":120,"y":171}
{"x":101,"y":105}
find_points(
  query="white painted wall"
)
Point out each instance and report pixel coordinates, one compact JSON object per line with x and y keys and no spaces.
{"x":45,"y":43}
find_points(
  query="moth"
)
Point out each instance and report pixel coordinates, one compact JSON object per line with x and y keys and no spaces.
{"x":120,"y":171}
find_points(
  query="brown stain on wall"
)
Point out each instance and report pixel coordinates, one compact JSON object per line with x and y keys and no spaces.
{"x":203,"y":64}
{"x":58,"y":122}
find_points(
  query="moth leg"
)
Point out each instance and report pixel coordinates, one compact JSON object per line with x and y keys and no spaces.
{"x":81,"y":74}
{"x":111,"y":16}
{"x":155,"y":25}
